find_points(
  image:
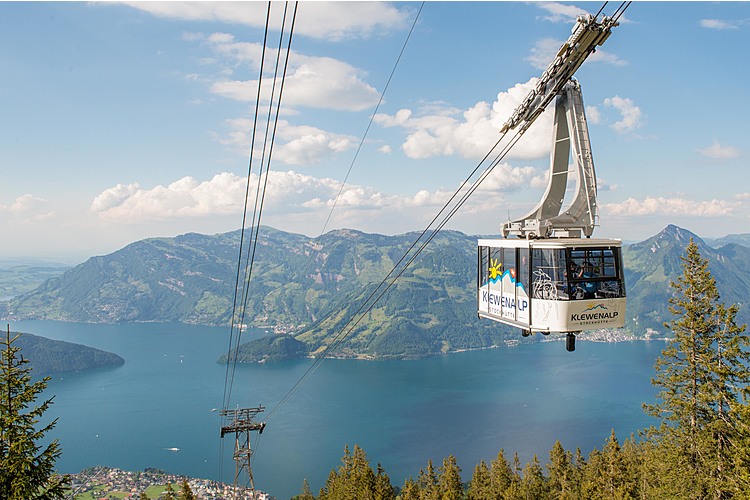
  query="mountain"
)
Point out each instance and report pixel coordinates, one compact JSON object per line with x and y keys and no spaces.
{"x":740,"y":239}
{"x":47,"y":356}
{"x":17,"y":278}
{"x":309,"y":288}
{"x":652,"y":264}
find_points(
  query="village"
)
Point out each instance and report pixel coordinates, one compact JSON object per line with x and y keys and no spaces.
{"x":106,"y":483}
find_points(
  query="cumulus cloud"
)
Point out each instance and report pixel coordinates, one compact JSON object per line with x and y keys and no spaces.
{"x":288,"y":193}
{"x":331,"y":21}
{"x":301,"y":201}
{"x":294,"y":145}
{"x":593,"y":115}
{"x":28,"y":207}
{"x":506,"y":178}
{"x":671,"y":206}
{"x":559,"y":13}
{"x":720,"y":152}
{"x":630,"y":114}
{"x":742,"y":196}
{"x":317,"y":82}
{"x":185,"y":197}
{"x":437,"y":130}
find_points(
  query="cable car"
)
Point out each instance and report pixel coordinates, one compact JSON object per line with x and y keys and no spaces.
{"x":547,"y":274}
{"x":551,"y":285}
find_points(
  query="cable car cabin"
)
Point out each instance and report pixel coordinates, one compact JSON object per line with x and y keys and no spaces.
{"x":552,"y":285}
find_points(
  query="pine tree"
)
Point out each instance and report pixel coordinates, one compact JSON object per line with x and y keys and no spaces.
{"x":169,"y":492}
{"x":590,"y":474}
{"x":480,"y":486}
{"x":410,"y":491}
{"x":633,"y":457}
{"x":533,"y":484}
{"x":428,"y":483}
{"x":306,"y":493}
{"x":354,"y":478}
{"x":383,"y":489}
{"x":702,"y":375}
{"x":502,"y":476}
{"x":25,"y":472}
{"x":561,"y":473}
{"x":185,"y":492}
{"x":449,"y":481}
{"x":612,"y":480}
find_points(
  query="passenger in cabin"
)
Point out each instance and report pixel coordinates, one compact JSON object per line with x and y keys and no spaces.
{"x":589,"y":287}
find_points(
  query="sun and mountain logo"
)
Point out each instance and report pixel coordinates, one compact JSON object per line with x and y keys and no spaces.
{"x":497,"y":274}
{"x":596,"y":307}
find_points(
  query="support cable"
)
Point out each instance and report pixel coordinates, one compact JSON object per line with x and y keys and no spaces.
{"x":393,"y":275}
{"x":372,"y":118}
{"x":239,"y":305}
{"x":374,"y":297}
{"x":262,"y":184}
{"x":227,"y":385}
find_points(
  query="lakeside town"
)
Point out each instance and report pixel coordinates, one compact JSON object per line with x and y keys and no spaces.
{"x":107,"y":482}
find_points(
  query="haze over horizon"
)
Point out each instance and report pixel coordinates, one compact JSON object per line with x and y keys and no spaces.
{"x":125,"y":121}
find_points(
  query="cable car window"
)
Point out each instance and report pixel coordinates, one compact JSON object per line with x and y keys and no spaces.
{"x":523,"y":267}
{"x":548,"y":274}
{"x":509,"y":261}
{"x":594,"y":273}
{"x":484,"y":265}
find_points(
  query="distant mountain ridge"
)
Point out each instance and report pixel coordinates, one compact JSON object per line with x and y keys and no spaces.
{"x":651,"y":264}
{"x":740,"y":239}
{"x":311,"y":287}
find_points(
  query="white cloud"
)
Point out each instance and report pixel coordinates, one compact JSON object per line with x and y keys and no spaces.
{"x":28,"y":208}
{"x":292,"y":198}
{"x":439,"y":130}
{"x":606,"y":57}
{"x":593,"y":115}
{"x":544,"y":51}
{"x":294,"y":145}
{"x":317,"y":82}
{"x":506,"y":178}
{"x":603,"y":185}
{"x":720,"y":152}
{"x":742,"y":196}
{"x":332,"y":21}
{"x":630,"y":114}
{"x":559,"y":13}
{"x":385,"y":149}
{"x":185,"y":197}
{"x":399,"y":119}
{"x":671,"y":206}
{"x":718,"y":24}
{"x":287,"y":193}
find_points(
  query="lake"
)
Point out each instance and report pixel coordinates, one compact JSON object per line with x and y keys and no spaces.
{"x":159,"y":408}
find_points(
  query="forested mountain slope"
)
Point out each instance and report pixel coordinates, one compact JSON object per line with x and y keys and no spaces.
{"x":311,"y":287}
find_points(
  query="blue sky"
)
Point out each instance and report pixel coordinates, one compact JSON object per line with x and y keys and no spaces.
{"x":122,"y":121}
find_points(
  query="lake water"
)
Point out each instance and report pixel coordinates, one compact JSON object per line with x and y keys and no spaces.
{"x":402,"y":413}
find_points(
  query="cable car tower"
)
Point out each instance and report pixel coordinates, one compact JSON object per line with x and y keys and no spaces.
{"x":242,"y":423}
{"x":547,"y":274}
